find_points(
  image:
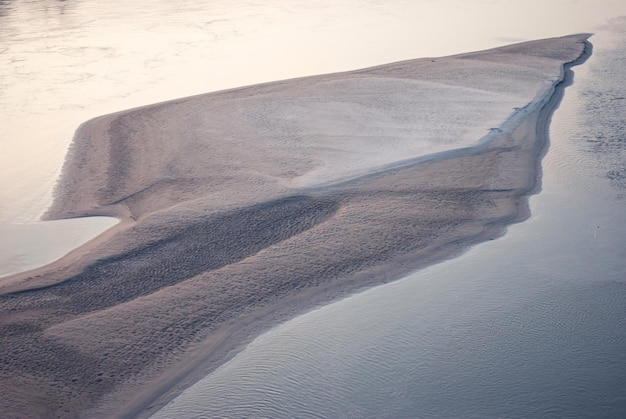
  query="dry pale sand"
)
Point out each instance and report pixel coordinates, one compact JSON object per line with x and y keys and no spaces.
{"x":222,"y":237}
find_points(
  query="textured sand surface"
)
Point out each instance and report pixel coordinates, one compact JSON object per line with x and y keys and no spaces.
{"x":244,"y":207}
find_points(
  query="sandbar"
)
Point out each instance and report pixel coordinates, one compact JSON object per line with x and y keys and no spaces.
{"x":242,"y":208}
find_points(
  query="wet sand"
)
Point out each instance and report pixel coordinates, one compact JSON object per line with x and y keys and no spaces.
{"x":220,"y":239}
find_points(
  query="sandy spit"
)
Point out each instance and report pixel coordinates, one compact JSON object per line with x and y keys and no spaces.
{"x":222,"y":237}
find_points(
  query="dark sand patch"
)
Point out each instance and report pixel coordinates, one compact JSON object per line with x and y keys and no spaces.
{"x":204,"y":261}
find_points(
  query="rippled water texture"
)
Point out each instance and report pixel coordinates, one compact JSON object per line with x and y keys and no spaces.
{"x":530,"y":325}
{"x":63,"y":62}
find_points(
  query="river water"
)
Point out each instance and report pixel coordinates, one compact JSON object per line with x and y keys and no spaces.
{"x":530,"y":325}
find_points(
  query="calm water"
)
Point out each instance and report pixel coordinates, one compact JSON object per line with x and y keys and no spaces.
{"x":531,"y":325}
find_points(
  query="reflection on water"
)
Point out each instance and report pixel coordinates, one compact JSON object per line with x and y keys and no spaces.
{"x":530,"y":325}
{"x":28,"y":243}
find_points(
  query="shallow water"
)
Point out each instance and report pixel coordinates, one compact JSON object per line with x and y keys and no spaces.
{"x":530,"y":325}
{"x":63,"y":62}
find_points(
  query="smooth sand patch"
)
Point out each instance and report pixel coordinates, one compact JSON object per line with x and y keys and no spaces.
{"x":244,"y":207}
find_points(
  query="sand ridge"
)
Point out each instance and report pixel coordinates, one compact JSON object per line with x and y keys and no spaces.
{"x":223,"y":237}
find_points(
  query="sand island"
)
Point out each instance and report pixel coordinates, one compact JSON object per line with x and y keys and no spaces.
{"x":242,"y":208}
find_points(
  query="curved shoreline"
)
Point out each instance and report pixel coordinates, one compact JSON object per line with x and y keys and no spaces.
{"x":378,"y":205}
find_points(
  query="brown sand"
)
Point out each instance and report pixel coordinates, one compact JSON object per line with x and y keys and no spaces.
{"x":203,"y":263}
